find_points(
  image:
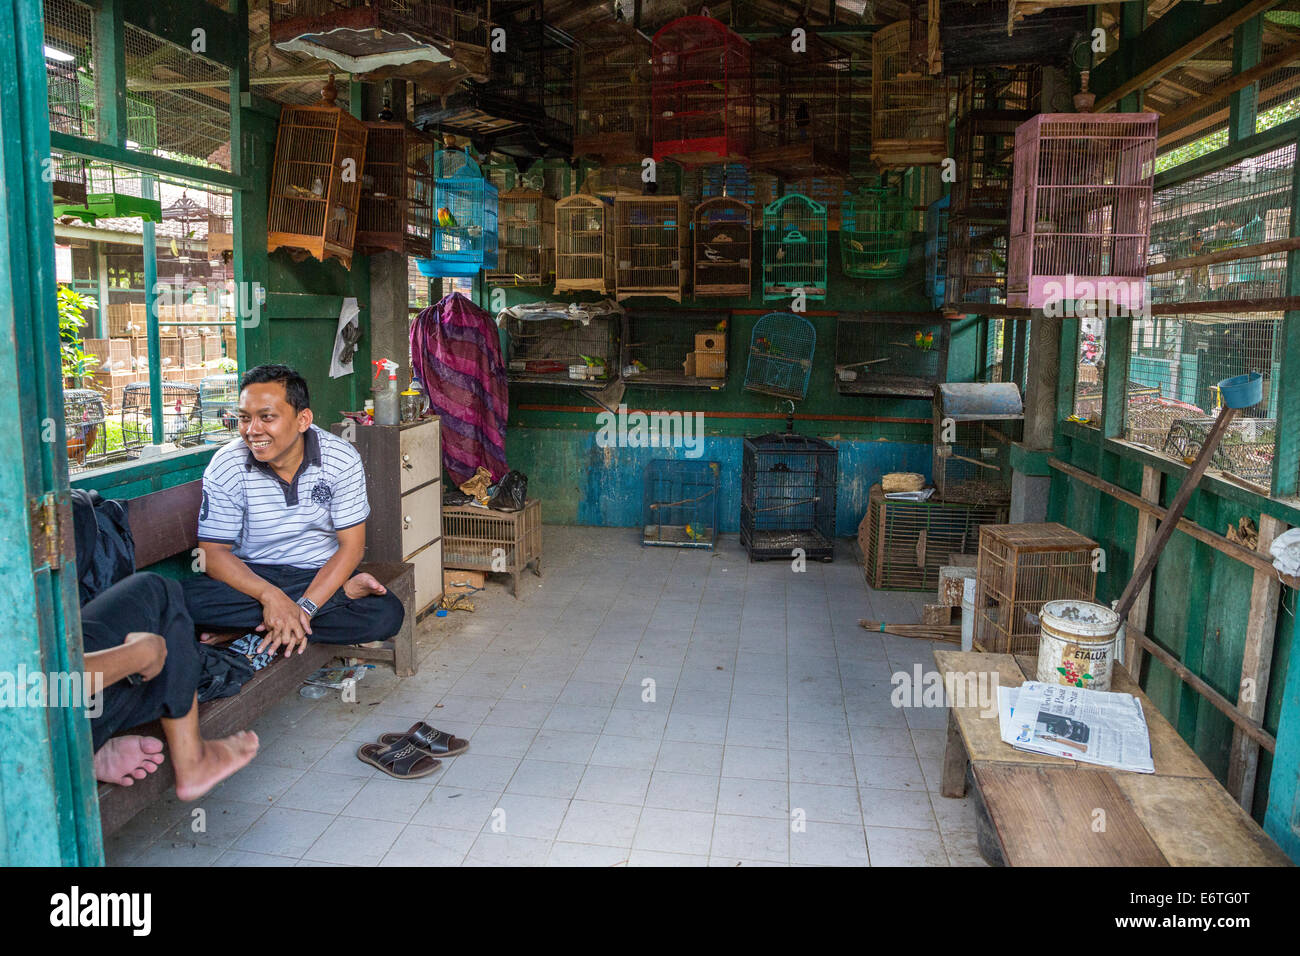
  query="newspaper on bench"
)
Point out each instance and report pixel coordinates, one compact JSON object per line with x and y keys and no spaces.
{"x":1091,"y":726}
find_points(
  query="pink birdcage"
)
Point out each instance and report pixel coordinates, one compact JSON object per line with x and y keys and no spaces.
{"x":701,"y":92}
{"x":1081,"y":209}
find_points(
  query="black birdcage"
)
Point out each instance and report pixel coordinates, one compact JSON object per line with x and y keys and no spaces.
{"x":182,"y":422}
{"x":788,"y":485}
{"x":681,"y":503}
{"x":87,"y":434}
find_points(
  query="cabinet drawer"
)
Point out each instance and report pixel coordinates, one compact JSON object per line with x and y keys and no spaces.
{"x":428,"y":575}
{"x":421,"y":517}
{"x":420,"y":454}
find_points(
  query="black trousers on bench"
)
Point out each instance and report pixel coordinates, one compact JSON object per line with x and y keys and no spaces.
{"x":216,"y":606}
{"x":143,"y":602}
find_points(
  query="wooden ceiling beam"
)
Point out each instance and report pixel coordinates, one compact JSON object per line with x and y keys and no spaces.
{"x":1230,"y":85}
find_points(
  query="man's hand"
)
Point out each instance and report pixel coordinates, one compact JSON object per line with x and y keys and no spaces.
{"x":285,"y":623}
{"x":152,"y":649}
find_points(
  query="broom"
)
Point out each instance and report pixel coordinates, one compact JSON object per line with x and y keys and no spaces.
{"x":928,"y":632}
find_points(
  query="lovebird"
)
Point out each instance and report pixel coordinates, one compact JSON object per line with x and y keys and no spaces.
{"x":919,"y":340}
{"x":445,"y":219}
{"x":929,"y":341}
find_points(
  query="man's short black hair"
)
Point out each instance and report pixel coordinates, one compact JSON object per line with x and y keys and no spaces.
{"x":295,"y":386}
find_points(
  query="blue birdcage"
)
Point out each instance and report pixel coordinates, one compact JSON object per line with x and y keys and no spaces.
{"x":936,"y":250}
{"x":794,"y":248}
{"x":465,"y":218}
{"x":681,"y":503}
{"x":781,"y":355}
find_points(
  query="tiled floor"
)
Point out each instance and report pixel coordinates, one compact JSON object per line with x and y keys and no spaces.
{"x":635,"y":706}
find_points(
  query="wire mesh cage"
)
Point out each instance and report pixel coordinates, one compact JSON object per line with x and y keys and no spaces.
{"x":702,"y":92}
{"x":526,"y":239}
{"x":984,"y":147}
{"x":909,"y":107}
{"x":396,"y":212}
{"x":875,"y":234}
{"x":553,"y":344}
{"x":788,"y":487}
{"x":882,"y":354}
{"x":361,"y":36}
{"x":584,"y":245}
{"x":1208,"y":232}
{"x":975,"y":425}
{"x":465,"y":217}
{"x":612,"y":123}
{"x":936,"y":250}
{"x":1022,"y":567}
{"x":1246,"y":449}
{"x":70,"y":62}
{"x":680,"y":507}
{"x":794,"y":248}
{"x":182,"y":422}
{"x":86,"y":428}
{"x":650,"y":246}
{"x":977,"y":262}
{"x":781,"y":355}
{"x":1081,"y":208}
{"x":320,"y":154}
{"x":905,"y":543}
{"x":113,"y":192}
{"x":802,"y":108}
{"x":724,"y":239}
{"x":219,"y":407}
{"x":674,"y":348}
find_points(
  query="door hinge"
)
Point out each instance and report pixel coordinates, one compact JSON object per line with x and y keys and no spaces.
{"x":49,"y":530}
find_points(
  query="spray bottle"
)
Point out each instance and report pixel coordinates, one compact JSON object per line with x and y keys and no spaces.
{"x":387,"y":409}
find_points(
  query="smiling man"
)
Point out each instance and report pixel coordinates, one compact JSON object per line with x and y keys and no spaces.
{"x":282,"y":528}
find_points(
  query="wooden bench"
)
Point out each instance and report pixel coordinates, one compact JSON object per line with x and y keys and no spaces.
{"x":165,"y":524}
{"x":1043,"y":810}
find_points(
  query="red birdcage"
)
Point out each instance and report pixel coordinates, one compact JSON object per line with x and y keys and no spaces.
{"x":702,"y":93}
{"x":397,"y":191}
{"x":1081,"y":209}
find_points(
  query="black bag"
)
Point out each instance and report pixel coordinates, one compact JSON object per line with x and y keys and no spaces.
{"x":453,"y":497}
{"x":105,"y":548}
{"x":223,"y":673}
{"x":511,"y":494}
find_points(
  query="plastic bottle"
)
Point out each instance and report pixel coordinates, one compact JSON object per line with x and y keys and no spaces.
{"x":413,"y":402}
{"x":387,"y":409}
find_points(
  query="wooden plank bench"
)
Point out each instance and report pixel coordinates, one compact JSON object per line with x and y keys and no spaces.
{"x":164,"y":524}
{"x":1043,"y":810}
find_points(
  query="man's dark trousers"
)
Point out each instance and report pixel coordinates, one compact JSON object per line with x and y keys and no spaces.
{"x":216,"y":606}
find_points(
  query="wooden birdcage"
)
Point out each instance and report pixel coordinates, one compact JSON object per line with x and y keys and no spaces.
{"x":612,"y":124}
{"x":905,"y":543}
{"x":1081,"y":209}
{"x":397,"y":191}
{"x":702,"y":92}
{"x":465,"y":217}
{"x":802,"y":109}
{"x":794,"y":248}
{"x":936,"y":250}
{"x":320,"y":155}
{"x":875,"y":234}
{"x":909,"y":107}
{"x":221,"y":224}
{"x":724,"y":239}
{"x":650,"y":236}
{"x":584,"y":245}
{"x":525,"y":239}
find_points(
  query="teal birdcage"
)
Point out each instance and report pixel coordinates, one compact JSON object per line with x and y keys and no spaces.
{"x":781,"y":355}
{"x":875,"y":234}
{"x":936,"y":250}
{"x":465,"y":218}
{"x":794,"y":248}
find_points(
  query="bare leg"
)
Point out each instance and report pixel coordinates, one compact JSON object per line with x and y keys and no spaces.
{"x":124,"y":760}
{"x":202,"y":764}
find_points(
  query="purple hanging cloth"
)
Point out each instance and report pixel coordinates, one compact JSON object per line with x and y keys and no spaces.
{"x":456,"y":353}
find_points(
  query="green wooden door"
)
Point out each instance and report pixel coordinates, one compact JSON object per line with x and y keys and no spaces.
{"x":48,"y":810}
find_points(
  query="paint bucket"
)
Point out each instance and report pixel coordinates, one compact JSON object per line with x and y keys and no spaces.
{"x":1076,"y":644}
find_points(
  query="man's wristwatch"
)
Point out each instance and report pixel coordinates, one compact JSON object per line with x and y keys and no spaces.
{"x":307,"y":606}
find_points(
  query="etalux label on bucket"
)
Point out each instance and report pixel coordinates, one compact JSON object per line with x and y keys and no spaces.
{"x":1077,"y":644}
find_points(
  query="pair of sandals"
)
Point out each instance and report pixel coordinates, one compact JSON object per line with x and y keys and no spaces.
{"x":412,"y":754}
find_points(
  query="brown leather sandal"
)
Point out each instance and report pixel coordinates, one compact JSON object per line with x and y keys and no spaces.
{"x":405,"y":762}
{"x":437,"y":743}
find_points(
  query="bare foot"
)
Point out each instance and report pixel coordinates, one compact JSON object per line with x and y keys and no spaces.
{"x":219,"y":637}
{"x":218,"y":760}
{"x":361,"y":585}
{"x":123,"y":760}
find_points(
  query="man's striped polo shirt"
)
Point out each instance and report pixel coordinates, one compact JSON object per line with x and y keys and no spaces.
{"x":270,"y":521}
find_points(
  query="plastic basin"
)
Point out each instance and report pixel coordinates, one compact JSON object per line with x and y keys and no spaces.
{"x":1242,"y":391}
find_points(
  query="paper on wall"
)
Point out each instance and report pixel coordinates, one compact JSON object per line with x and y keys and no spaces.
{"x":349,"y":314}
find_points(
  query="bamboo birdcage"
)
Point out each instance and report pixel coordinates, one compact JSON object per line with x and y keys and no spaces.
{"x":397,"y":191}
{"x":478,"y":539}
{"x":875,"y":234}
{"x":1022,"y":567}
{"x":1081,"y":209}
{"x":794,"y":248}
{"x":221,"y":224}
{"x":584,"y":245}
{"x":612,"y":124}
{"x":909,"y":107}
{"x":702,"y":92}
{"x":650,"y":236}
{"x":525,"y":239}
{"x":320,"y":155}
{"x":724,"y":237}
{"x":465,"y":217}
